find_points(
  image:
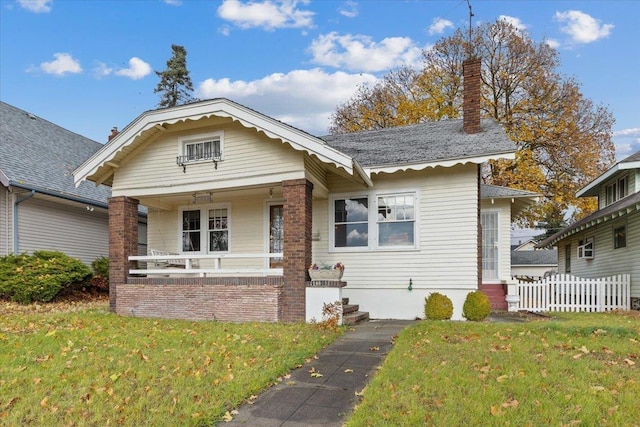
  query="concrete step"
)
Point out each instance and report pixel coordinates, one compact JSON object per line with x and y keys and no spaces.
{"x":355,"y":317}
{"x":350,"y":308}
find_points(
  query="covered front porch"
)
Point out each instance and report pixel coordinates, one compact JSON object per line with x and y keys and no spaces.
{"x":220,"y":256}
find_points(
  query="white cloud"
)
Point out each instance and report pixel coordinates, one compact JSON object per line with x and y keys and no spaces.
{"x":439,"y":25}
{"x":286,"y":96}
{"x":137,"y":69}
{"x":553,"y":43}
{"x":627,"y":142}
{"x":173,"y":2}
{"x":349,"y":9}
{"x":361,"y":53}
{"x":102,"y":70}
{"x":267,"y":14}
{"x":37,"y":6}
{"x":516,"y":22}
{"x":63,"y":64}
{"x":628,"y":132}
{"x":581,"y":27}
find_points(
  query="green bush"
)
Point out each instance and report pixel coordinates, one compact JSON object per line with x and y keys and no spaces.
{"x":41,"y":276}
{"x":438,"y":307}
{"x":476,"y":306}
{"x":101,"y":267}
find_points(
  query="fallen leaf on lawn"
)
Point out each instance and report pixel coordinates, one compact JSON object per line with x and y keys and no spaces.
{"x":502,"y":378}
{"x":495,"y":411}
{"x":577,"y":356}
{"x":50,"y":333}
{"x":597,"y":388}
{"x":511,"y":403}
{"x":629,"y":362}
{"x":584,"y":350}
{"x":44,"y":402}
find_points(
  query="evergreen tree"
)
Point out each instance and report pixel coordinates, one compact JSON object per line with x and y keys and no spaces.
{"x":175,"y":85}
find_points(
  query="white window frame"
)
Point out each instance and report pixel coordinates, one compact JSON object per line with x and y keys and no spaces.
{"x":204,"y":226}
{"x":185,"y":141}
{"x":372,"y":220}
{"x":587,"y":249}
{"x":616,"y":190}
{"x":378,"y":223}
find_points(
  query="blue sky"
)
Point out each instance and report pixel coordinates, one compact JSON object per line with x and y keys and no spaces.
{"x":89,"y":65}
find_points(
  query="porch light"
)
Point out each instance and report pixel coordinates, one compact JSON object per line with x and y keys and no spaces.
{"x":201,"y":198}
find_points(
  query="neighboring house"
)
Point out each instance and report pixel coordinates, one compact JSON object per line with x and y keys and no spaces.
{"x":530,"y":263}
{"x":40,"y":207}
{"x":256,"y":201}
{"x":607,"y":242}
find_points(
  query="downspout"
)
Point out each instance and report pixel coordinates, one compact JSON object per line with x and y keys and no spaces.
{"x":15,"y":218}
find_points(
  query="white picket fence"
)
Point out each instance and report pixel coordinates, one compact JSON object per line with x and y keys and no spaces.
{"x":564,"y":292}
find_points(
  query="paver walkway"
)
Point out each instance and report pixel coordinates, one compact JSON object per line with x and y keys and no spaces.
{"x":346,"y":367}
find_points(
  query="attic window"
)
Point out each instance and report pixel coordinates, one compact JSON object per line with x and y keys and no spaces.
{"x":200,"y":149}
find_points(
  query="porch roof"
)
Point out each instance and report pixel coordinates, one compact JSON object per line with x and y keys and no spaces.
{"x":101,"y":166}
{"x":520,"y":199}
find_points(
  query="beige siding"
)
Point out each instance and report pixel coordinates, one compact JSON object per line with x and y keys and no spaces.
{"x":607,"y":260}
{"x":6,"y":227}
{"x":72,"y":229}
{"x":446,"y":253}
{"x":249,"y":158}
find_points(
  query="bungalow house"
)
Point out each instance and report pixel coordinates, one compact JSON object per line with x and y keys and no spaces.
{"x":607,"y":242}
{"x":530,"y":263}
{"x":40,"y":207}
{"x":255,"y":202}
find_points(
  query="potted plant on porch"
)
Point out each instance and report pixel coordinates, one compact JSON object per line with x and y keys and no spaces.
{"x":324,"y":271}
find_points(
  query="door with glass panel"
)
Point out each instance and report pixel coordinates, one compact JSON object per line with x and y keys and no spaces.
{"x":276,"y":234}
{"x":490,"y":245}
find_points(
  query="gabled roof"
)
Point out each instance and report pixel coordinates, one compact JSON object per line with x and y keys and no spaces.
{"x":39,"y":155}
{"x":615,"y":210}
{"x":423,"y":145}
{"x":101,"y":165}
{"x":592,"y":189}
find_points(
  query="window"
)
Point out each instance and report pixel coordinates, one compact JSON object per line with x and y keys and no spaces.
{"x":201,"y":148}
{"x":567,"y":258}
{"x":620,"y":237}
{"x":389,"y":220}
{"x":396,"y":218}
{"x":616,"y":190}
{"x":585,"y":249}
{"x":191,"y":231}
{"x":218,"y":230}
{"x":351,"y":227}
{"x":206,"y":229}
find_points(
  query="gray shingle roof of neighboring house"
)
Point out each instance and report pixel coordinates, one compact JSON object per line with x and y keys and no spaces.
{"x":39,"y":155}
{"x":539,"y":257}
{"x":422,"y":143}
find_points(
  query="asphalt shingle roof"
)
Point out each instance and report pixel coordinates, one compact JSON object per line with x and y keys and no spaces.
{"x":422,"y":143}
{"x":39,"y":155}
{"x":539,"y":257}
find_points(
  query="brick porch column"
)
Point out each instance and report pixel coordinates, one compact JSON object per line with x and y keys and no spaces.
{"x":123,"y":241}
{"x":297,"y":247}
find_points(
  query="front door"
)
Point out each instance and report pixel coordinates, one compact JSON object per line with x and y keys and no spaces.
{"x":490,"y":245}
{"x":276,"y":234}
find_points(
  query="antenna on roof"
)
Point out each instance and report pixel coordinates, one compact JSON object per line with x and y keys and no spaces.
{"x":469,"y":52}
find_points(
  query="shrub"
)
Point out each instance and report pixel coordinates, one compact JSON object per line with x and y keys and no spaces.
{"x":41,"y":276}
{"x":438,"y":307}
{"x":101,"y":267}
{"x":476,"y":306}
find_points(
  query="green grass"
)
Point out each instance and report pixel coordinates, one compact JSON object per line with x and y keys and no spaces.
{"x":577,"y":369}
{"x":90,"y":368}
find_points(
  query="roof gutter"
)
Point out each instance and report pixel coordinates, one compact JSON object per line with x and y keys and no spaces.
{"x":61,"y":195}
{"x":15,"y":218}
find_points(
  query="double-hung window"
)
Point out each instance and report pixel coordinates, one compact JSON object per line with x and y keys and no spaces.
{"x":374,"y":221}
{"x":206,"y":229}
{"x":620,"y":237}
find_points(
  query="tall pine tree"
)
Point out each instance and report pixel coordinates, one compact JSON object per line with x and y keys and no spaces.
{"x":175,"y":85}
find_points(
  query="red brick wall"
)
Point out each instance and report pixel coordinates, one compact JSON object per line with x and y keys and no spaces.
{"x":123,"y":242}
{"x":471,"y":69}
{"x":297,"y":247}
{"x":233,"y":299}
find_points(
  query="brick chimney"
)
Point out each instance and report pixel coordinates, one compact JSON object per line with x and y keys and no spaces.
{"x":114,"y":132}
{"x":471,"y":95}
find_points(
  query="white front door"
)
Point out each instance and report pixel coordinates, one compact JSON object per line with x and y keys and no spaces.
{"x":490,"y":245}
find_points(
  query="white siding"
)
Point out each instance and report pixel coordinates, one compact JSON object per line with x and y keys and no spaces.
{"x":72,"y":229}
{"x":445,"y":259}
{"x":249,"y":158}
{"x":607,"y":260}
{"x":6,"y":230}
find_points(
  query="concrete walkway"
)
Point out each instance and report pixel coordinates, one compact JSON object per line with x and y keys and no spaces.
{"x":346,"y":366}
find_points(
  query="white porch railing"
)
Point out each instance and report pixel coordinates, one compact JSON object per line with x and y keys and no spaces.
{"x":564,"y":292}
{"x":171,"y":264}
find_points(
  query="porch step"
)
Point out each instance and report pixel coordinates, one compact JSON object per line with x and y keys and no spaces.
{"x":496,"y":294}
{"x":351,"y":314}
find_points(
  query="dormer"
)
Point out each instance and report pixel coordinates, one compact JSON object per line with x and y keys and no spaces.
{"x":620,"y":181}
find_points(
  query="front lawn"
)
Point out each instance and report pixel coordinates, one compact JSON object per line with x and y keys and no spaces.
{"x":576,"y":369}
{"x":62,"y":365}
